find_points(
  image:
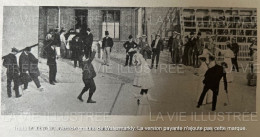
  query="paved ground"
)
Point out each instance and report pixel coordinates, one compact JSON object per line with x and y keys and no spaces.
{"x":175,"y":92}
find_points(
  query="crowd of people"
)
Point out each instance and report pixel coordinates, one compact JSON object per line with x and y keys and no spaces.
{"x":203,"y":54}
{"x":76,"y":45}
{"x":197,"y":52}
{"x":188,"y":53}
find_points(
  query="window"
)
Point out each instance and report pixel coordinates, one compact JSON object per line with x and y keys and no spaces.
{"x":111,"y":19}
{"x":81,"y":19}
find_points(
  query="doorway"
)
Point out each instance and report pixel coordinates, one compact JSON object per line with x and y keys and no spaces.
{"x":81,"y":19}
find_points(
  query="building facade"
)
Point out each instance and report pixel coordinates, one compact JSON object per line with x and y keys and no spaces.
{"x":119,"y":21}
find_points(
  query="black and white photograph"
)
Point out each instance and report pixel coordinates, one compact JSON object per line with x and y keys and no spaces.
{"x":128,"y":60}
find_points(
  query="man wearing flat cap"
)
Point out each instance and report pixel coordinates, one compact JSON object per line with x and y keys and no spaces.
{"x":156,"y":48}
{"x":107,"y":45}
{"x":12,"y":73}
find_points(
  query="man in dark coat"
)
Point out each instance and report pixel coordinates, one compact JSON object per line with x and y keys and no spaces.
{"x":212,"y":78}
{"x":10,"y":62}
{"x":192,"y":42}
{"x":34,"y":70}
{"x":171,"y":39}
{"x":56,"y":38}
{"x":145,"y":49}
{"x":24,"y":65}
{"x":186,"y":49}
{"x":156,"y":48}
{"x":88,"y":43}
{"x":107,"y":45}
{"x":77,"y":48}
{"x":235,"y":49}
{"x":51,"y":62}
{"x":129,"y":47}
{"x":174,"y":48}
{"x":88,"y":78}
{"x":57,"y":42}
{"x":197,"y":49}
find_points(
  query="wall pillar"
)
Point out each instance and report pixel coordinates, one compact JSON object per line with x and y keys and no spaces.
{"x":139,"y":24}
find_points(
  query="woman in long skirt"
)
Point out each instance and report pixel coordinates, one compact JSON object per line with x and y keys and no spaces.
{"x":143,"y":101}
{"x":228,"y":55}
{"x":143,"y":79}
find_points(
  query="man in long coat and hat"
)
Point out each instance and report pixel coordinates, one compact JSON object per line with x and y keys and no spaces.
{"x":51,"y":62}
{"x":34,"y":70}
{"x":156,"y":49}
{"x":24,"y":66}
{"x":107,"y":45}
{"x":12,"y":73}
{"x":88,"y":43}
{"x":130,"y":47}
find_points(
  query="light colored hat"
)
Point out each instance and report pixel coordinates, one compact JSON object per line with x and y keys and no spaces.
{"x":175,"y":32}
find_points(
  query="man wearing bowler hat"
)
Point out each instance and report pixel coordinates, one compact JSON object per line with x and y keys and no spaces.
{"x":12,"y":73}
{"x":107,"y":45}
{"x":88,"y":44}
{"x":130,"y":50}
{"x":156,"y":48}
{"x":24,"y":66}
